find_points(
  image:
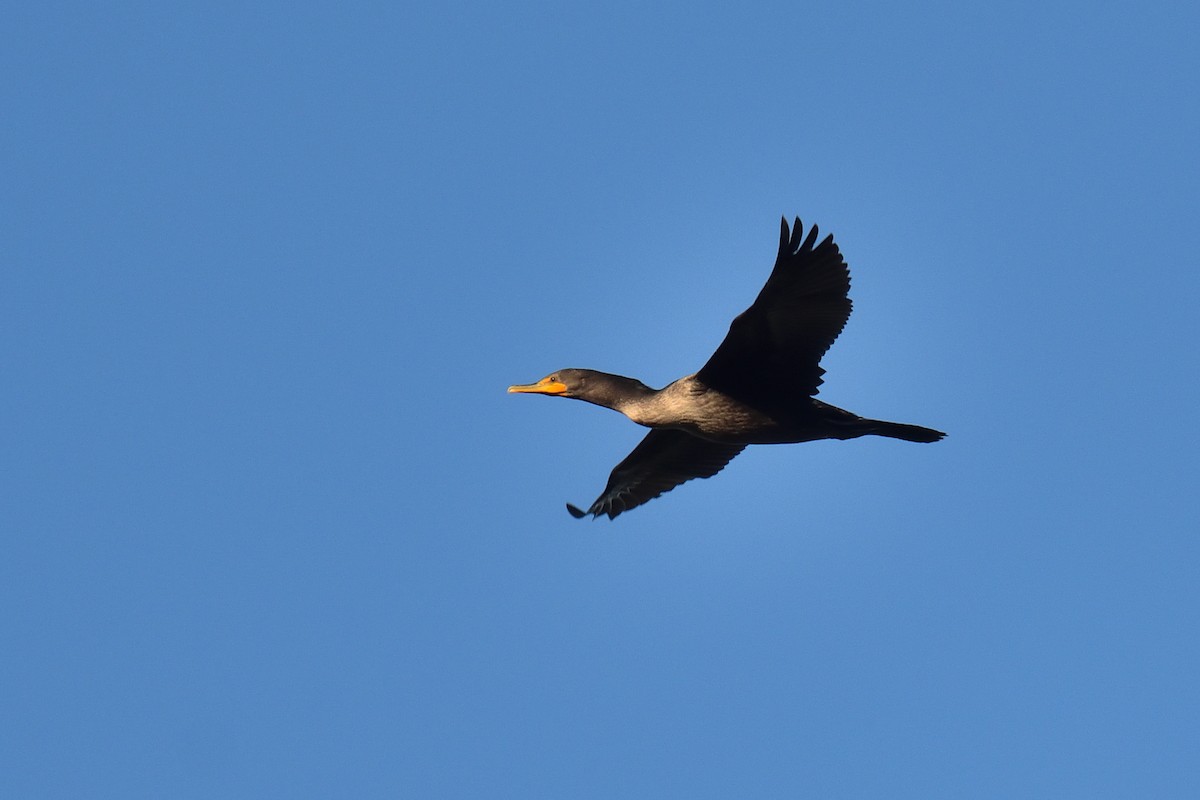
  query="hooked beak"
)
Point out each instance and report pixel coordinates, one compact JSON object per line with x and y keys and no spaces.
{"x":546,"y":385}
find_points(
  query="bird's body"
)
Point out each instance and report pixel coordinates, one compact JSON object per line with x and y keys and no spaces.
{"x":757,"y":388}
{"x":690,"y":406}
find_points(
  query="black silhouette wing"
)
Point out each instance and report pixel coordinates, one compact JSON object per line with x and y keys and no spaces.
{"x":772,"y":353}
{"x":662,"y":461}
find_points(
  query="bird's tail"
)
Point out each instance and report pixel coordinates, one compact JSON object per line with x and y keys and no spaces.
{"x":898,"y":430}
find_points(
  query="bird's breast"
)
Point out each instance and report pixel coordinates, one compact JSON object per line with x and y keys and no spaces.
{"x":701,"y":411}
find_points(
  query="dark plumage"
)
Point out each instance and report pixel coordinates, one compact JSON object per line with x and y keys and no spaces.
{"x":757,"y":388}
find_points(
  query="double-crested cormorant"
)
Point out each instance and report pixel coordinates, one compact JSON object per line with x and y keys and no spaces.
{"x":757,"y":388}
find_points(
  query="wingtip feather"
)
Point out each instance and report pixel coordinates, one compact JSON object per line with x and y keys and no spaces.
{"x":811,"y":240}
{"x":797,"y":232}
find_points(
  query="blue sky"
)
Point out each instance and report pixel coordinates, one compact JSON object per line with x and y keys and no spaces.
{"x":274,"y":529}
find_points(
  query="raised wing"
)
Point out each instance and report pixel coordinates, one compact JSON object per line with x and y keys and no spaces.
{"x":773,"y":350}
{"x":662,"y":461}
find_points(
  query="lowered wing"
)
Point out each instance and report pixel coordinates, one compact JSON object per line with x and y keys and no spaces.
{"x":662,"y":461}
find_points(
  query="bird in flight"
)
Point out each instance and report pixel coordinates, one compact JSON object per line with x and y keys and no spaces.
{"x":759,"y":386}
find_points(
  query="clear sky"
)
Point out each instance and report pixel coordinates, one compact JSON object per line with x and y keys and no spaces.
{"x":273,"y":528}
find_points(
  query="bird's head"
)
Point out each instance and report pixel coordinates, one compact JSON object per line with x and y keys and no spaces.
{"x":601,"y":388}
{"x":564,"y":383}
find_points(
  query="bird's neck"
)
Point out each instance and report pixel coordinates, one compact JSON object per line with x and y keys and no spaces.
{"x":641,"y":406}
{"x":630,"y":396}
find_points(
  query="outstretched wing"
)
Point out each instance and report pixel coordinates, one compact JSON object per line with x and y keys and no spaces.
{"x":663,"y":460}
{"x":773,"y":350}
